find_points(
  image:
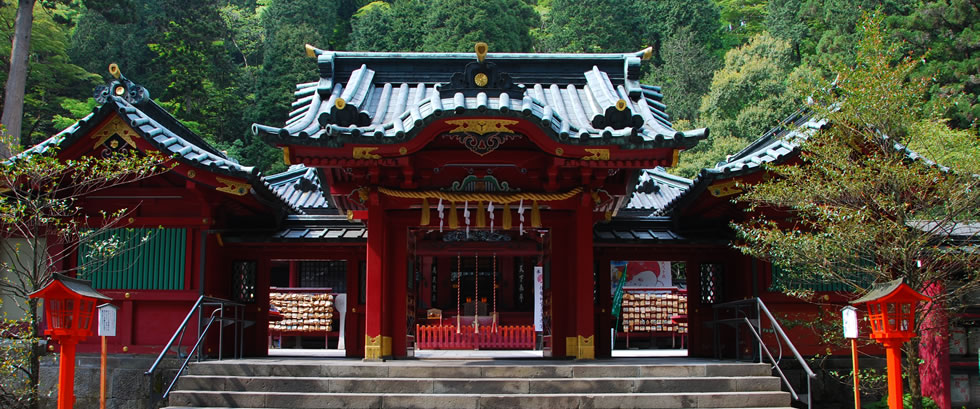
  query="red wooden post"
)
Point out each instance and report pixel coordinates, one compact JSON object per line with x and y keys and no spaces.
{"x":374,"y":303}
{"x":584,"y":282}
{"x":293,"y":274}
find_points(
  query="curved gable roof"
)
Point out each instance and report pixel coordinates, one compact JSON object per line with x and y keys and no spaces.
{"x":382,"y":98}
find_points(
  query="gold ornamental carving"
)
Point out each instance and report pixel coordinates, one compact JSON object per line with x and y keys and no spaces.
{"x":233,"y":187}
{"x":372,"y":348}
{"x":481,"y":80}
{"x":586,"y":347}
{"x":115,"y":126}
{"x":596,"y":154}
{"x":723,"y":189}
{"x":365,"y":152}
{"x":482,"y":126}
{"x":571,"y":346}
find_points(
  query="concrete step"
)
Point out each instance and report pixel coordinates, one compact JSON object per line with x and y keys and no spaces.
{"x":412,"y":370}
{"x":254,"y":399}
{"x":478,"y":385}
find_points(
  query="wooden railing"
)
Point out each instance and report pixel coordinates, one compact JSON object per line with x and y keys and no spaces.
{"x":500,"y":337}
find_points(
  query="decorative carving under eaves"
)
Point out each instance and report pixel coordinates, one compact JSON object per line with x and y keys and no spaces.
{"x":483,"y":76}
{"x":482,"y":136}
{"x":475,"y":235}
{"x":488,"y":183}
{"x":115,"y":136}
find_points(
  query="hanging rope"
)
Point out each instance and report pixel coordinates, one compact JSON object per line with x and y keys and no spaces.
{"x":459,"y":288}
{"x":476,"y":295}
{"x":474,"y":197}
{"x":494,"y":292}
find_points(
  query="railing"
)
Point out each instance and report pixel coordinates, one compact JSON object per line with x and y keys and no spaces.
{"x":446,"y":337}
{"x":755,"y":327}
{"x":216,"y":315}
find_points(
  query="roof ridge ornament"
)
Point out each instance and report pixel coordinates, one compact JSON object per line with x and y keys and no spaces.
{"x":121,"y":87}
{"x":482,"y":76}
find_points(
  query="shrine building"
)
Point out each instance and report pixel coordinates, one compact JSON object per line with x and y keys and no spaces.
{"x":438,"y":201}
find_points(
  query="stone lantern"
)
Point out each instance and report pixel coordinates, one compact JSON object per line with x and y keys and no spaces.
{"x":891,"y":310}
{"x":69,"y":306}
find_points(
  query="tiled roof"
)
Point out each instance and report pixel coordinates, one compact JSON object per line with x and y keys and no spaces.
{"x":642,"y":229}
{"x":298,"y":188}
{"x":321,"y":228}
{"x":655,"y":189}
{"x":589,"y":99}
{"x":158,"y":128}
{"x":775,"y":146}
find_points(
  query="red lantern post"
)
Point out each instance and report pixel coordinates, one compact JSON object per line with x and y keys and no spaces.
{"x":891,"y":309}
{"x":69,"y":305}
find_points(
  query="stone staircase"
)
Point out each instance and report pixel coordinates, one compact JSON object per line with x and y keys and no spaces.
{"x":478,"y":384}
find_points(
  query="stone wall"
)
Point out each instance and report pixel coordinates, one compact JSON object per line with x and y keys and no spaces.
{"x":126,"y":385}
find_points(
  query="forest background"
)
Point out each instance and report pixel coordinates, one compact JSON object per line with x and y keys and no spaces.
{"x":221,"y":65}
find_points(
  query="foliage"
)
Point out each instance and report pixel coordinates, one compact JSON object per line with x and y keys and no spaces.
{"x":592,"y":27}
{"x":44,"y":224}
{"x":926,"y":402}
{"x":751,"y":93}
{"x":663,"y":19}
{"x":707,"y":154}
{"x":685,"y":74}
{"x":53,"y":80}
{"x":947,"y":32}
{"x":860,"y":208}
{"x":443,"y":26}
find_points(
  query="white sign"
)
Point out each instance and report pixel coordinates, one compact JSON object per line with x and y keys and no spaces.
{"x":850,"y":322}
{"x":538,"y":297}
{"x":107,"y":320}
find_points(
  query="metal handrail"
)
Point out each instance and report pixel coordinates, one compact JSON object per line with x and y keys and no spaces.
{"x":781,"y":339}
{"x":218,"y":314}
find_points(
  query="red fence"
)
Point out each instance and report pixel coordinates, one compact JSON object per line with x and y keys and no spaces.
{"x":501,"y":337}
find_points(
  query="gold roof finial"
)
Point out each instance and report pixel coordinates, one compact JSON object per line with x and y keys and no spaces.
{"x":481,"y":51}
{"x":114,"y":70}
{"x":310,"y":51}
{"x":647,"y":53}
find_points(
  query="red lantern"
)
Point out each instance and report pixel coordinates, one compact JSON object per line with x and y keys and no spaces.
{"x":891,"y":309}
{"x":69,"y":306}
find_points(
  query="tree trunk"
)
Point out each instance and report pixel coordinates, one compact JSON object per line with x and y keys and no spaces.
{"x":37,"y":350}
{"x":912,"y":373}
{"x":13,"y":97}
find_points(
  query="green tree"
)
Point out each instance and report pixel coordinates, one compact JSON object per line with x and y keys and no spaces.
{"x":749,"y":94}
{"x":456,"y":25}
{"x":380,"y":26}
{"x":663,"y":19}
{"x":444,"y":26}
{"x":53,"y":79}
{"x":592,"y":27}
{"x":947,"y":32}
{"x":862,"y":210}
{"x":685,"y":74}
{"x":44,"y":224}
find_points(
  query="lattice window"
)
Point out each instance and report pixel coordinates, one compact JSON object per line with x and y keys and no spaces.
{"x":710,"y":283}
{"x":324,"y":274}
{"x":243,"y":281}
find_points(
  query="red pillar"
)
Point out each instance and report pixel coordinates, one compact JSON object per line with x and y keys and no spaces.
{"x":374,"y":286}
{"x":293,"y":274}
{"x":66,"y":374}
{"x":934,"y":351}
{"x":584,"y":281}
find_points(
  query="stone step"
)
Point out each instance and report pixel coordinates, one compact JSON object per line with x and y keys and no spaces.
{"x":412,"y":370}
{"x":254,"y":399}
{"x":478,"y":385}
